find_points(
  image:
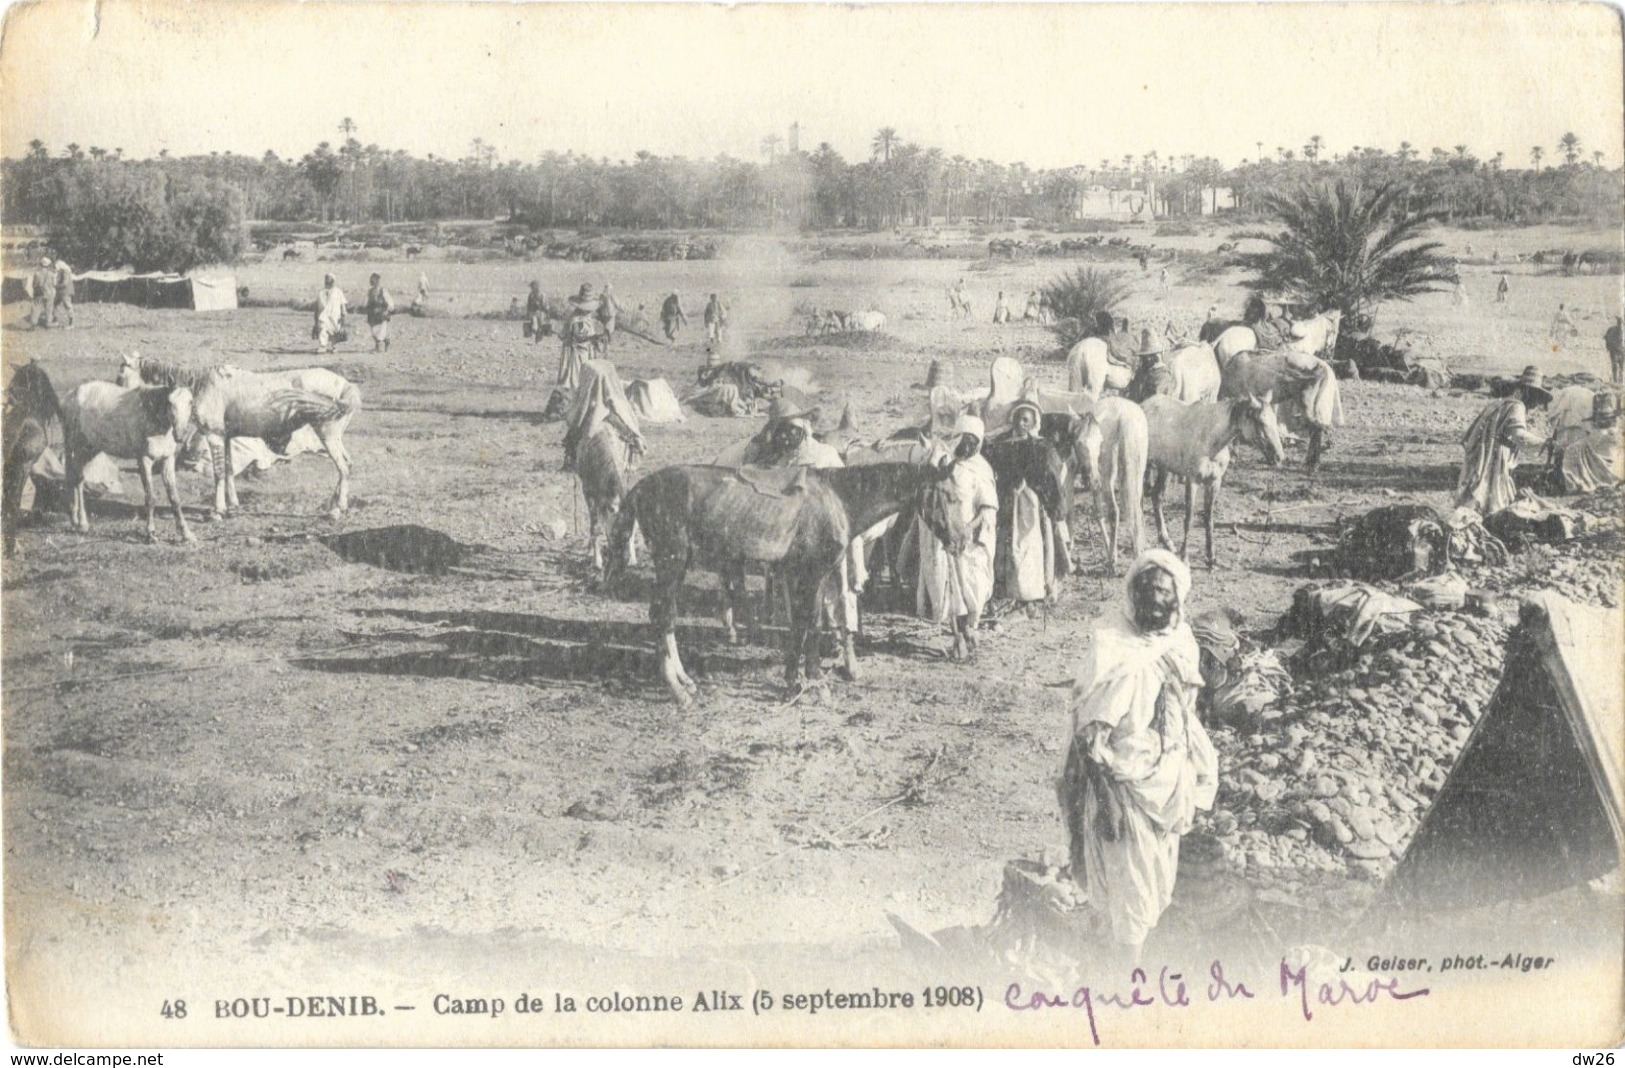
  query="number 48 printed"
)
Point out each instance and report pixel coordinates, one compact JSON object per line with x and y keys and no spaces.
{"x":174,"y":1010}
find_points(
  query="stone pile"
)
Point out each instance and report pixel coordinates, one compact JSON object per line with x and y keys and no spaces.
{"x":1336,"y":777}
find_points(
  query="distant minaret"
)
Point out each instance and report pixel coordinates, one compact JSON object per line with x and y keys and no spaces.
{"x":795,"y":138}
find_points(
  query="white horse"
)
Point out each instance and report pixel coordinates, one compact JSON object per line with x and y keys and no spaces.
{"x":1090,"y":370}
{"x":143,"y":423}
{"x":1312,"y":337}
{"x":1193,"y":441}
{"x":866,"y":321}
{"x":1113,"y":447}
{"x":229,"y":402}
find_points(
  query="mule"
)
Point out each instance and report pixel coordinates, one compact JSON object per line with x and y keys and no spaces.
{"x":229,"y":402}
{"x":1114,"y":447}
{"x":31,"y":407}
{"x":798,"y":520}
{"x":142,"y":423}
{"x":1194,"y":442}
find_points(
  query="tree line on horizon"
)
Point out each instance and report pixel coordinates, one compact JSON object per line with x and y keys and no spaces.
{"x":900,"y":184}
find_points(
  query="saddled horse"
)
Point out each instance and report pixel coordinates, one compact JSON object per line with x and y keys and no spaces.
{"x":1316,"y":336}
{"x":1305,"y":392}
{"x":1091,"y":370}
{"x":229,"y":402}
{"x":1193,"y":441}
{"x":142,"y":423}
{"x":1113,"y":442}
{"x":31,"y":407}
{"x":798,"y":520}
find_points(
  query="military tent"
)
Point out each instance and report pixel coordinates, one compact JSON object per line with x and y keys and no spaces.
{"x":1533,"y":804}
{"x":196,"y":292}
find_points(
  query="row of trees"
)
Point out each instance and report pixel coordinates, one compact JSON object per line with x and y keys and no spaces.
{"x":900,"y":184}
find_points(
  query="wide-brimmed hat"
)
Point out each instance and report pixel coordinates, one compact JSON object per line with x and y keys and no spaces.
{"x":938,"y":374}
{"x":785,"y":408}
{"x":584,"y":297}
{"x":1605,"y":407}
{"x":1152,"y":344}
{"x":1531,"y":379}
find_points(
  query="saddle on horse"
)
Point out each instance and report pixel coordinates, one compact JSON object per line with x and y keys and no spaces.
{"x":1123,"y":350}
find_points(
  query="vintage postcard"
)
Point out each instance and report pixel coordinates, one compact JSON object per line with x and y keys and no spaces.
{"x":553,"y":525}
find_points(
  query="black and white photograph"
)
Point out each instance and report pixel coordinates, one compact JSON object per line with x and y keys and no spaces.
{"x":551,"y":525}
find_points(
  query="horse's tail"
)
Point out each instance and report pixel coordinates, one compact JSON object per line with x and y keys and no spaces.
{"x":349,"y":401}
{"x":620,"y":538}
{"x":1132,"y":451}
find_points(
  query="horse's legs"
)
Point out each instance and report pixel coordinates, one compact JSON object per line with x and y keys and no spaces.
{"x":75,"y":472}
{"x":146,"y":484}
{"x":217,"y":460}
{"x":1210,"y":503}
{"x":663,"y":614}
{"x":166,"y":471}
{"x":1190,"y":513}
{"x":733,"y":582}
{"x":231,"y":478}
{"x":1106,"y":505}
{"x":1316,"y":434}
{"x":332,"y":436}
{"x":1159,"y":484}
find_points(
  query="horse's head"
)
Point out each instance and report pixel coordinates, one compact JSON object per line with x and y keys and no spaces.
{"x":1255,"y":423}
{"x":129,"y":370}
{"x":31,"y":391}
{"x":180,"y":414}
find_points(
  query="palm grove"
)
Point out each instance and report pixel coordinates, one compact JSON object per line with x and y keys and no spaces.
{"x":102,"y":209}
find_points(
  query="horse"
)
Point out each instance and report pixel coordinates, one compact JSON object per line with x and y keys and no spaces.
{"x":31,"y":405}
{"x":1090,"y":370}
{"x":1317,"y":336}
{"x":1193,"y":441}
{"x":1114,"y":446}
{"x":798,"y":520}
{"x":866,"y":322}
{"x":603,"y":460}
{"x":143,"y":423}
{"x":1308,"y":397}
{"x":229,"y":402}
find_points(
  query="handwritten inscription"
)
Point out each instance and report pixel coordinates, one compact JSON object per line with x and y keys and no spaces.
{"x":1170,"y":990}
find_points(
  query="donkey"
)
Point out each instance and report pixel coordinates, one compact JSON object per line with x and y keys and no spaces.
{"x":229,"y":402}
{"x":1193,"y":441}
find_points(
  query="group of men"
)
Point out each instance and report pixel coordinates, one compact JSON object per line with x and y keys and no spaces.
{"x":1583,"y":449}
{"x":50,"y":291}
{"x":332,"y":306}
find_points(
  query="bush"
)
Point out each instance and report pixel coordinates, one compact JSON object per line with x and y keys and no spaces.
{"x":1077,"y":297}
{"x":115,"y":217}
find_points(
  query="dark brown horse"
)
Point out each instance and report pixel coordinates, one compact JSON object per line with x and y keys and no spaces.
{"x":799,"y":521}
{"x":31,"y":405}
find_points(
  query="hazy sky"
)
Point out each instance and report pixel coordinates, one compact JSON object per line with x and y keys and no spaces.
{"x":1050,"y":85}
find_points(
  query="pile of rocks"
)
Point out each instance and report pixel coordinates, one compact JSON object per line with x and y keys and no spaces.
{"x":1337,"y":777}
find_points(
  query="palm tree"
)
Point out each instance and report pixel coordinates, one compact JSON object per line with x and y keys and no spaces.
{"x":770,"y":146}
{"x":1536,"y":154}
{"x":1570,"y":145}
{"x":347,"y":126}
{"x":885,"y":140}
{"x":1347,"y":247}
{"x":1311,"y":151}
{"x":1596,"y":159}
